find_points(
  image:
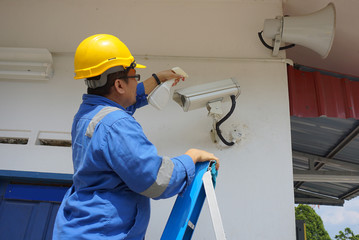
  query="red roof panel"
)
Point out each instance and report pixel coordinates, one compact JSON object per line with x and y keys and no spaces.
{"x":313,"y":94}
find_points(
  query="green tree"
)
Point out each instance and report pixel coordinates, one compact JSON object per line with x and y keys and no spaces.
{"x":348,"y":234}
{"x":314,"y":225}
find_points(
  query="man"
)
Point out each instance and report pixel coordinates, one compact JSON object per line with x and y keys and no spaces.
{"x":116,"y":168}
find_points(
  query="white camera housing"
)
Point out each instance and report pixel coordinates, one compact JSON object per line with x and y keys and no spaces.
{"x":200,"y":95}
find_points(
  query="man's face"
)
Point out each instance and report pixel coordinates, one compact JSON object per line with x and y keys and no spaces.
{"x":131,"y":87}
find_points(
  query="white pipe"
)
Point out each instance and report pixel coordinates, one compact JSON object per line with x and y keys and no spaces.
{"x":157,"y":57}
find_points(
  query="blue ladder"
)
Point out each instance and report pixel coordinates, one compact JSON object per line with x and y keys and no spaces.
{"x":187,"y":208}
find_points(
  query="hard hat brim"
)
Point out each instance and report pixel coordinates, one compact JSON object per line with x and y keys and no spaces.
{"x":140,"y":66}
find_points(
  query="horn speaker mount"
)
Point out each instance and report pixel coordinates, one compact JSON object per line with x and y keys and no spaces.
{"x":314,"y":31}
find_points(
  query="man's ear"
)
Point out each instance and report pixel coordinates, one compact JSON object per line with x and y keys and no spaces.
{"x":119,"y":86}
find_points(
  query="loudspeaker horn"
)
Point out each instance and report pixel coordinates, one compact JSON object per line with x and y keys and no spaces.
{"x":314,"y":31}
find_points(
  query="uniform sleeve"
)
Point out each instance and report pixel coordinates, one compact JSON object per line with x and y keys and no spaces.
{"x":141,"y":99}
{"x":136,"y":161}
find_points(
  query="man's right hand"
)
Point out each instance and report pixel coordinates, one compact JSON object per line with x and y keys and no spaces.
{"x":198,"y":155}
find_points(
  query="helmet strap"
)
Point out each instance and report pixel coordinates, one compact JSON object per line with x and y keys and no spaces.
{"x":103,"y":77}
{"x":132,"y":66}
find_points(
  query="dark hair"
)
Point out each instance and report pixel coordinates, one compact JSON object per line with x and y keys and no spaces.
{"x":111,"y":78}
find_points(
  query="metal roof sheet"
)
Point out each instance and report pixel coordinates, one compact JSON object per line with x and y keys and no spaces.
{"x":319,"y":135}
{"x":314,"y":94}
{"x":324,"y":112}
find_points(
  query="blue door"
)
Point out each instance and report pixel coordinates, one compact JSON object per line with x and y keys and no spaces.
{"x":28,"y":211}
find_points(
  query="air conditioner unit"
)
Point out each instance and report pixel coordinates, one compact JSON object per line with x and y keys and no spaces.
{"x":25,"y":63}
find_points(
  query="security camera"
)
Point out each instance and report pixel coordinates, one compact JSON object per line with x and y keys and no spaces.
{"x":200,"y":95}
{"x":210,"y":95}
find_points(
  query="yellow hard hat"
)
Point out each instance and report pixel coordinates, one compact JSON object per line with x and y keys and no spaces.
{"x":100,"y":52}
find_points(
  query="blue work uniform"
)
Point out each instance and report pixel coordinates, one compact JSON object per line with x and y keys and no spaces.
{"x":116,"y":172}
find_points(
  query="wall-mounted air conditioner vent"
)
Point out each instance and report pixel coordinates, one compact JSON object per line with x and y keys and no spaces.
{"x":25,"y":64}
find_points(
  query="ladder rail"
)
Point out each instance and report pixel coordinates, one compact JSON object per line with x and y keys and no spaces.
{"x":213,"y":206}
{"x":187,"y":208}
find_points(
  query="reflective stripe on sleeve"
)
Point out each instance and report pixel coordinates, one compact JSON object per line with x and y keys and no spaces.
{"x":163,"y":179}
{"x":97,"y":118}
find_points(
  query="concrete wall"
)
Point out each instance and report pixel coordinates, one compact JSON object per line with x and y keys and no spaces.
{"x":217,"y":40}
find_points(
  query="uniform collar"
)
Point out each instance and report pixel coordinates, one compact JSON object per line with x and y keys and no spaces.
{"x":92,"y":99}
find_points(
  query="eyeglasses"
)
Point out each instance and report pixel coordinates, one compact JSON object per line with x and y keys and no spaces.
{"x":137,"y":77}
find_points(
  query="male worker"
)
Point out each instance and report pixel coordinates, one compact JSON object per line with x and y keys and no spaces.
{"x":116,"y":168}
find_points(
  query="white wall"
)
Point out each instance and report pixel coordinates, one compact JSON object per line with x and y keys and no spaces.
{"x":254,"y":188}
{"x":215,"y":41}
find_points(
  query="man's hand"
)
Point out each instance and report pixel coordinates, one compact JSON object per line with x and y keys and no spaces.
{"x":198,"y":155}
{"x":163,"y":76}
{"x":168,"y":75}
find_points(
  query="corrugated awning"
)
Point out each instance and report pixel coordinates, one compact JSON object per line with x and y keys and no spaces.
{"x":314,"y":94}
{"x":324,"y":110}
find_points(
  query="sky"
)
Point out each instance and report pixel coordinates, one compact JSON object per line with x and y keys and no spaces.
{"x":336,"y":219}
